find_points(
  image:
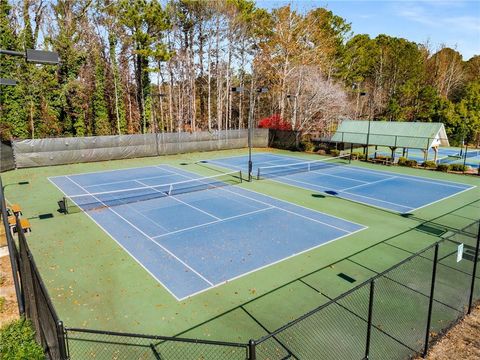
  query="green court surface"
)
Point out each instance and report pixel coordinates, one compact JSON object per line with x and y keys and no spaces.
{"x":95,"y":284}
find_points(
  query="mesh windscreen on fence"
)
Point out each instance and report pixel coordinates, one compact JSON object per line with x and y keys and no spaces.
{"x":56,"y":151}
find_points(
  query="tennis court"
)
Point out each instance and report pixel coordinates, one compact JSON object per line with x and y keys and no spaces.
{"x":194,"y":233}
{"x":334,"y":176}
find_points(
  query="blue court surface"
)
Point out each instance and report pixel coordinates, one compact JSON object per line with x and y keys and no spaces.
{"x":383,"y":189}
{"x":193,"y":241}
{"x":445,"y":156}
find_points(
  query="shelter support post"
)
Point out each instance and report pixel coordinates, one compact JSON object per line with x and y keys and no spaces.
{"x":393,"y":149}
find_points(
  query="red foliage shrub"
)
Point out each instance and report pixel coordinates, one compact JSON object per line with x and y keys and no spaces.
{"x":275,"y":122}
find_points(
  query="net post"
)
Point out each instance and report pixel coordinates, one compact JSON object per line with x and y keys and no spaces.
{"x":252,"y":350}
{"x":65,"y":204}
{"x":465,"y":159}
{"x":370,"y":315}
{"x":351,"y":153}
{"x":430,"y":303}
{"x":241,"y":176}
{"x":170,"y":190}
{"x":474,"y":271}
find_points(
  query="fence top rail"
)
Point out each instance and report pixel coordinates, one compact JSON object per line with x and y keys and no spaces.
{"x":157,"y":337}
{"x":341,"y":296}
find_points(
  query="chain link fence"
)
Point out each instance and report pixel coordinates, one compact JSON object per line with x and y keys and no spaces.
{"x":106,"y":345}
{"x":396,"y":314}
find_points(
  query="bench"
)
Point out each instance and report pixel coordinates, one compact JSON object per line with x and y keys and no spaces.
{"x":14,"y":209}
{"x":24,"y":223}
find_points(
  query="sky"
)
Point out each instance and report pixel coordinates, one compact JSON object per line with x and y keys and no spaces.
{"x":454,"y":23}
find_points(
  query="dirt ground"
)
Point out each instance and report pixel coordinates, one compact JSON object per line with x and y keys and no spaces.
{"x":8,"y":306}
{"x":462,"y":342}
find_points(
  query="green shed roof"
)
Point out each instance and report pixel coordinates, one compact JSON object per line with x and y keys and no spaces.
{"x":418,"y":135}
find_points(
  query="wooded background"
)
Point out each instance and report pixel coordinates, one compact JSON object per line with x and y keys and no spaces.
{"x":133,"y":66}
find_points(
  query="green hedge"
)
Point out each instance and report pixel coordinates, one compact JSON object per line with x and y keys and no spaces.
{"x":429,"y":164}
{"x":358,"y":155}
{"x":411,"y":163}
{"x":334,"y":152}
{"x":306,"y":145}
{"x":458,"y":167}
{"x":17,"y":342}
{"x":443,"y":167}
{"x":402,"y":161}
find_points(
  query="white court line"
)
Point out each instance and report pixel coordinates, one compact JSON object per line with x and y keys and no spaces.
{"x":369,"y":183}
{"x":224,"y":165}
{"x":144,"y":234}
{"x":106,"y":171}
{"x":180,"y":201}
{"x":340,"y":177}
{"x":124,"y":181}
{"x":412,"y":177}
{"x":285,"y":210}
{"x":270,"y":206}
{"x":120,"y":244}
{"x":213,"y":222}
{"x":433,"y":202}
{"x":339,"y":191}
{"x":271,"y":264}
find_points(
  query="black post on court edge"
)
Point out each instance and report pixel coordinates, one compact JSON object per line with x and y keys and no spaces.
{"x":251,"y":350}
{"x":465,"y":158}
{"x":351,"y":153}
{"x":369,"y":324}
{"x":474,"y":271}
{"x":430,"y":303}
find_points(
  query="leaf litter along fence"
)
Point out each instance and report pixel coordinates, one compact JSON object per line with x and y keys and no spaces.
{"x":396,"y":314}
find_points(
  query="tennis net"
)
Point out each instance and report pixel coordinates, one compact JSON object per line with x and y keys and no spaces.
{"x":100,"y":200}
{"x":264,"y":172}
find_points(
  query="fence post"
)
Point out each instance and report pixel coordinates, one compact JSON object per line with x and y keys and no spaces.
{"x":62,"y":341}
{"x":474,"y":272}
{"x":252,"y":350}
{"x":430,"y":304}
{"x":369,"y":323}
{"x":351,"y":153}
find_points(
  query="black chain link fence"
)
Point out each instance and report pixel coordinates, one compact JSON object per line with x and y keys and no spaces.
{"x":396,"y":314}
{"x":91,"y":344}
{"x":39,"y":309}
